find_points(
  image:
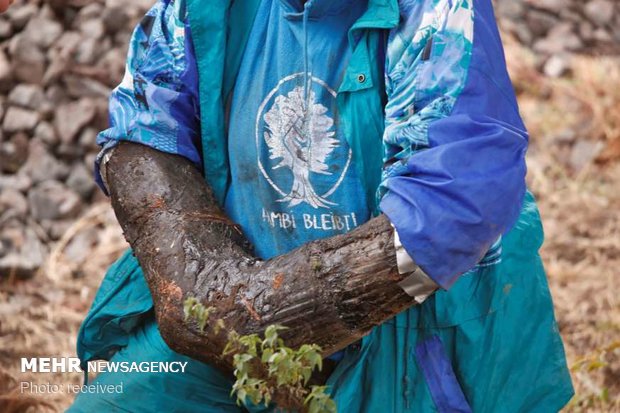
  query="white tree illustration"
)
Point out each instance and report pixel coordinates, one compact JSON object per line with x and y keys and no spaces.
{"x":300,"y":134}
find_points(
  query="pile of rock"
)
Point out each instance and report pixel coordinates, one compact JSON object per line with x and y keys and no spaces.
{"x":554,"y":29}
{"x":59,"y":60}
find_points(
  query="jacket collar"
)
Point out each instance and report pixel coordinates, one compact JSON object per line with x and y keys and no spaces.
{"x":316,"y":8}
{"x":380,"y":13}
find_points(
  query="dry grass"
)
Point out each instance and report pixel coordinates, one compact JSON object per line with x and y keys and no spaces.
{"x":41,"y":317}
{"x":580,"y":207}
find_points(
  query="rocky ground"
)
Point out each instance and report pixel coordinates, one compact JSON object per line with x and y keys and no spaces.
{"x":556,"y":29}
{"x":59,"y":59}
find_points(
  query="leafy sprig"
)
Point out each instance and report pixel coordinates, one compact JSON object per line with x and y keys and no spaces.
{"x":266,"y":370}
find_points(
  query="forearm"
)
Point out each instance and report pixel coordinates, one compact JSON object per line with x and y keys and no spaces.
{"x":329,"y":292}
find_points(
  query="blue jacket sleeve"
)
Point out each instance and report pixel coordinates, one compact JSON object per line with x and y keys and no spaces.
{"x":156,"y":103}
{"x":454,"y":141}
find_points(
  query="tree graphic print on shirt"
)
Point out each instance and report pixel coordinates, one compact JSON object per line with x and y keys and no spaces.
{"x":300,"y":134}
{"x":299,"y":150}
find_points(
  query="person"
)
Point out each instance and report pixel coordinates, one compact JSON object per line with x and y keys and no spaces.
{"x":369,"y":156}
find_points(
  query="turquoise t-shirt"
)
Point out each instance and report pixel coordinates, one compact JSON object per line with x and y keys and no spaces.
{"x":293,"y":180}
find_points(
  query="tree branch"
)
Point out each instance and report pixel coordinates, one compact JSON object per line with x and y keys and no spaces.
{"x":329,"y":292}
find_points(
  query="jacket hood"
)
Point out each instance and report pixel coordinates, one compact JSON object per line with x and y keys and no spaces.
{"x":315,"y":8}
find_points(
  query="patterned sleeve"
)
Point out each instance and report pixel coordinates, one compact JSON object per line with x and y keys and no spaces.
{"x":455,"y":143}
{"x":156,"y":103}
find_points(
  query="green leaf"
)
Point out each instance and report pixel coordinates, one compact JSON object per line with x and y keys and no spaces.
{"x":306,"y":373}
{"x":241,"y":395}
{"x":219,"y":326}
{"x":188,"y":306}
{"x":271,"y":336}
{"x":267,"y":353}
{"x":251,"y":343}
{"x":288,"y":370}
{"x":318,"y":401}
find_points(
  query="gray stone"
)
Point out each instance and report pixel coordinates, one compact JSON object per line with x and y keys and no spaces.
{"x":586,"y":31}
{"x":81,"y":180}
{"x":55,"y":69}
{"x":72,"y":117}
{"x":554,"y":6}
{"x":22,"y":252}
{"x":115,"y":19}
{"x":46,"y":132}
{"x":600,"y":12}
{"x":19,"y":15}
{"x":79,"y":248}
{"x":18,"y":119}
{"x":584,"y":152}
{"x":560,"y":38}
{"x":568,"y":15}
{"x":43,"y":31}
{"x":602,"y":35}
{"x":93,"y":29}
{"x":46,"y":111}
{"x":616,"y":32}
{"x":110,"y":4}
{"x":52,"y":200}
{"x":138,"y":9}
{"x":540,"y":22}
{"x":47,"y":12}
{"x":42,"y":165}
{"x":6,"y":73}
{"x":27,"y":96}
{"x":67,"y":44}
{"x":120,"y":38}
{"x":19,"y":181}
{"x":14,"y":153}
{"x":113,"y":62}
{"x":79,"y":87}
{"x":143,"y":5}
{"x":565,"y":136}
{"x":557,"y":66}
{"x":28,"y":63}
{"x":69,"y":151}
{"x":89,"y":160}
{"x":87,"y":51}
{"x":2,"y":111}
{"x":55,"y":229}
{"x":511,"y":9}
{"x":88,"y":139}
{"x":91,"y":11}
{"x":13,"y":205}
{"x":56,"y":94}
{"x":6,"y":30}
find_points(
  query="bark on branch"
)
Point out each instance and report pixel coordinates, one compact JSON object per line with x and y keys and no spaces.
{"x":329,"y":292}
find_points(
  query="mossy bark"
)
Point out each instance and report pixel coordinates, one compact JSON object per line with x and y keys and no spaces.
{"x":329,"y":292}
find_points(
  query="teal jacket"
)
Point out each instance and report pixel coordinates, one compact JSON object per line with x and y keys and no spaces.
{"x":429,"y":113}
{"x":450,"y":172}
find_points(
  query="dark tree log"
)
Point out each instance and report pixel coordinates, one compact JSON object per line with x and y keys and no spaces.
{"x":329,"y":292}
